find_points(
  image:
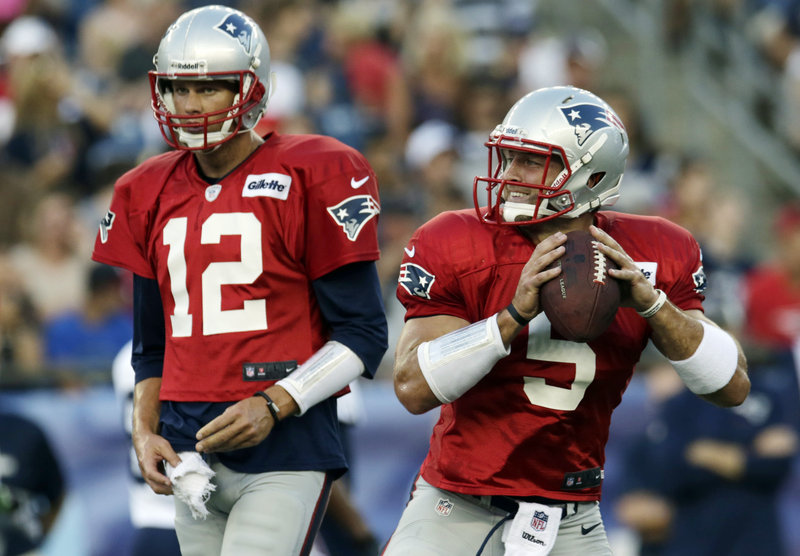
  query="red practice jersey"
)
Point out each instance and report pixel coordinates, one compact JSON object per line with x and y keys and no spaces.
{"x":537,"y":424}
{"x":235,"y":259}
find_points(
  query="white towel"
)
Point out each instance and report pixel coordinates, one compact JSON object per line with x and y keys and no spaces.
{"x":533,"y":530}
{"x":191,"y":482}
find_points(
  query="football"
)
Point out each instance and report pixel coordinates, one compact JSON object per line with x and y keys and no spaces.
{"x":581,"y":302}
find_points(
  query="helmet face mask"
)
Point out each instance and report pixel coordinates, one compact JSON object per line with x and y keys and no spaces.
{"x":504,"y":211}
{"x":566,"y":124}
{"x":213,"y":43}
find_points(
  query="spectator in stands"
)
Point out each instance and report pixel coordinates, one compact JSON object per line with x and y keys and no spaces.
{"x":85,"y":341}
{"x":51,"y":262}
{"x":773,"y":289}
{"x":693,"y":189}
{"x":650,"y":166}
{"x":703,"y":480}
{"x":432,"y":157}
{"x":772,"y":333}
{"x":20,"y":340}
{"x":549,"y":59}
{"x":435,"y":62}
{"x":56,"y":118}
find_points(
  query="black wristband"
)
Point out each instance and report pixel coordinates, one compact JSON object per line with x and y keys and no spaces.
{"x":273,"y":408}
{"x":522,"y":321}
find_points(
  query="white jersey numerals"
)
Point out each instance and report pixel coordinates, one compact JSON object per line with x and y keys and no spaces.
{"x":253,"y":314}
{"x":542,"y":347}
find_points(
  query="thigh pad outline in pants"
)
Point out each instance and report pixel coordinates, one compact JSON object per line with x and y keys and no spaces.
{"x":261,"y":514}
{"x":441,"y":523}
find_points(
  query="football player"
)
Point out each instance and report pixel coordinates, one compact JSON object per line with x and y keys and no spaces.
{"x":256,"y":298}
{"x":516,"y":458}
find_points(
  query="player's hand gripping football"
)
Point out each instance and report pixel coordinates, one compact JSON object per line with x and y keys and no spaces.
{"x":636,"y":290}
{"x":244,"y":424}
{"x":535,"y":273}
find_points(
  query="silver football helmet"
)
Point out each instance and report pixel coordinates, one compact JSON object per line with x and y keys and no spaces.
{"x":565,"y":122}
{"x":211,"y":43}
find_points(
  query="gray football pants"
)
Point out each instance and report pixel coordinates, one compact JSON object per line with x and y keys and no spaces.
{"x":256,"y":514}
{"x":423,"y":531}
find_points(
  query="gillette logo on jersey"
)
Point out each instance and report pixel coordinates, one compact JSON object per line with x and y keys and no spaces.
{"x":416,"y":280}
{"x":236,"y":27}
{"x":588,"y":118}
{"x":352,"y":213}
{"x":271,"y":184}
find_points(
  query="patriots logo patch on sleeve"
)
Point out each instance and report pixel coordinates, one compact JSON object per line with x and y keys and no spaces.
{"x":105,"y":225}
{"x":700,"y":281}
{"x":416,"y":280}
{"x":352,"y":213}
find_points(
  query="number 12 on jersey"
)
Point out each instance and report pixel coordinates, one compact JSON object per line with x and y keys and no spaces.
{"x":253,"y":314}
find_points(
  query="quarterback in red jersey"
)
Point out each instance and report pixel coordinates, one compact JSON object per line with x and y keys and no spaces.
{"x":525,"y":413}
{"x":256,"y":298}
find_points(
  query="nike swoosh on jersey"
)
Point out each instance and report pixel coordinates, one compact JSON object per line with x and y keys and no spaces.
{"x":410,"y":252}
{"x":586,"y":530}
{"x":355,"y":184}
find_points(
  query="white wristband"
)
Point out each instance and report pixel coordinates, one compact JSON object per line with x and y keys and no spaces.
{"x":712,"y":364}
{"x":655,"y":307}
{"x":326,"y":372}
{"x":455,"y":362}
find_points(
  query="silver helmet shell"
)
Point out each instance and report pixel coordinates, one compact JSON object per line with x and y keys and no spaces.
{"x":211,"y":43}
{"x":572,"y":124}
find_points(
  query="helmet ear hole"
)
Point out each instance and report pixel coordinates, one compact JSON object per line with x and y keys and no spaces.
{"x":594,"y":179}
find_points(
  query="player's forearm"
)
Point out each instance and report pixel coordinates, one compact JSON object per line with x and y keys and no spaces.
{"x":681,"y":337}
{"x":675,"y":334}
{"x":146,"y":406}
{"x":448,"y":364}
{"x":410,"y":385}
{"x":330,"y":369}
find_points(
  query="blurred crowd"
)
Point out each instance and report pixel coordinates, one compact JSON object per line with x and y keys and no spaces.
{"x":416,"y":86}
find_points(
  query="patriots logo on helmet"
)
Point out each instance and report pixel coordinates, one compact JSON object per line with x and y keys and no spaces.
{"x":588,"y":118}
{"x":237,"y":27}
{"x":416,"y":280}
{"x":352,"y":213}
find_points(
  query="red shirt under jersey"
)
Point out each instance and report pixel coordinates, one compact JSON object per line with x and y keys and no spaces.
{"x":544,"y":410}
{"x":234,"y":260}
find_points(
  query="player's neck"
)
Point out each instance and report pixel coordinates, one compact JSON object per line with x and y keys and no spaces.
{"x":220,"y":162}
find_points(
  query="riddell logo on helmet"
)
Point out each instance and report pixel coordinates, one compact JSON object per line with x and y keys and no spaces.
{"x":196,"y":66}
{"x":511,"y":130}
{"x":267,"y":185}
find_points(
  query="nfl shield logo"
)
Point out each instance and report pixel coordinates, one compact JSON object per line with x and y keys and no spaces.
{"x":539,"y":521}
{"x":444,"y":507}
